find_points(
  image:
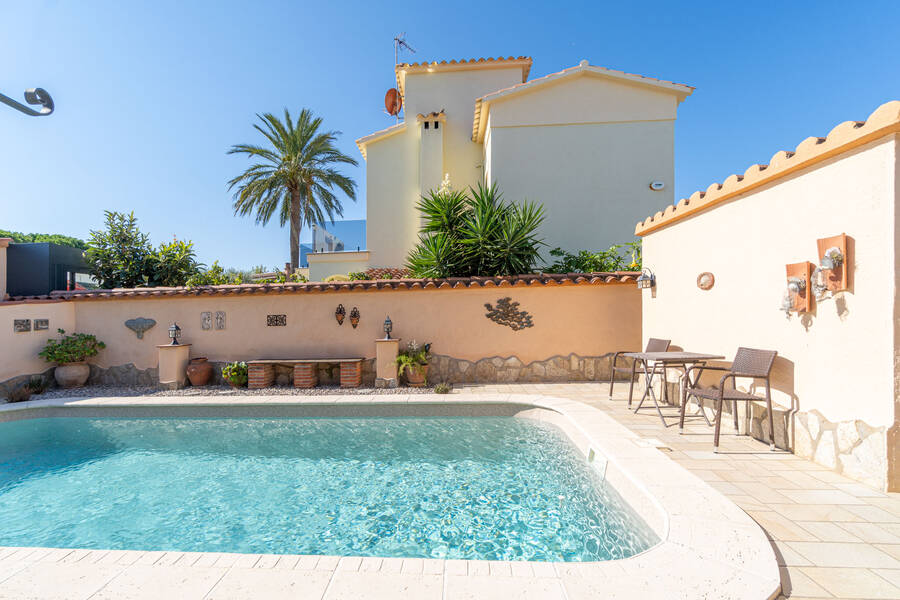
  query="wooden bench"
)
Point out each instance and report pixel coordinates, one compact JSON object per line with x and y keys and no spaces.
{"x":261,"y":373}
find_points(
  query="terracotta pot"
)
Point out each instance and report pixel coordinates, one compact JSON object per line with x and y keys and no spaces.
{"x":416,"y":376}
{"x":199,"y":371}
{"x":71,"y":375}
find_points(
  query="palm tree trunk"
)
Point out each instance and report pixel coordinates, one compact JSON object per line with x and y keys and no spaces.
{"x":295,"y":229}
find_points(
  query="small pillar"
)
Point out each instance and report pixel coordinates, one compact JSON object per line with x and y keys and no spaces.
{"x":351,"y":374}
{"x":173,"y":362}
{"x":386,"y":362}
{"x":306,"y":375}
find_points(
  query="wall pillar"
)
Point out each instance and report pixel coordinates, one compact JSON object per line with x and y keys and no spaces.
{"x":173,"y":362}
{"x":386,"y":363}
{"x":4,"y":242}
{"x":431,"y":151}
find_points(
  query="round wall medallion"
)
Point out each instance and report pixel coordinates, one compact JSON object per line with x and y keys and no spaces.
{"x":706,"y":280}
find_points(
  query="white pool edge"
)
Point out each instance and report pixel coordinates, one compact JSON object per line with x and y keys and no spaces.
{"x":709,"y":547}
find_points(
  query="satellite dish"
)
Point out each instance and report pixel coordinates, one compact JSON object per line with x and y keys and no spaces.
{"x":393,"y":102}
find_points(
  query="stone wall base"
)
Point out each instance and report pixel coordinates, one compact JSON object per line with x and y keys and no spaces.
{"x":496,"y":369}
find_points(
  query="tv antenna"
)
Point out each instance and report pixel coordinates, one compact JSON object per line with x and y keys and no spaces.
{"x":400,"y":45}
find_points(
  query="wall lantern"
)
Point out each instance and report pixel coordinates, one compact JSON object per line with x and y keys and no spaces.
{"x":388,"y":327}
{"x":174,"y":334}
{"x":831,"y":275}
{"x":354,"y":317}
{"x":339,"y":314}
{"x":796,"y":297}
{"x":646,"y":280}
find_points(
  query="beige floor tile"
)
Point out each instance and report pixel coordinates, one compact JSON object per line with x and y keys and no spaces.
{"x":892,"y":575}
{"x":139,"y":582}
{"x":852,"y":583}
{"x":816,"y":512}
{"x":57,"y":581}
{"x":873,"y":533}
{"x":779,"y":527}
{"x":873,"y":514}
{"x":835,"y":554}
{"x":824,"y":497}
{"x":796,"y":583}
{"x":788,"y":557}
{"x":828,"y":532}
{"x":892,"y":549}
{"x":253,"y":584}
{"x":349,"y":585}
{"x":505,"y":588}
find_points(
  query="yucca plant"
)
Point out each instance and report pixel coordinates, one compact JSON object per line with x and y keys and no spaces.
{"x":475,"y":233}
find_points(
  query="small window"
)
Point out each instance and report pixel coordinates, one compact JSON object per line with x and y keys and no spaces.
{"x":437,"y":124}
{"x":426,"y":124}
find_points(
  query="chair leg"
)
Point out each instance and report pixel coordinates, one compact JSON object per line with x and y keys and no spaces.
{"x":771,"y":418}
{"x":612,"y":376}
{"x":734,"y":408}
{"x":684,"y":401}
{"x":631,"y":383}
{"x":719,"y":407}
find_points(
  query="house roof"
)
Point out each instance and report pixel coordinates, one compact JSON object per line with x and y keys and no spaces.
{"x":534,"y":280}
{"x":483,"y":104}
{"x":848,"y":135}
{"x":364,"y":141}
{"x":402,"y":69}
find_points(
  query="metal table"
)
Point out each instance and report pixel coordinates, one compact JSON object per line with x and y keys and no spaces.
{"x":649,"y":360}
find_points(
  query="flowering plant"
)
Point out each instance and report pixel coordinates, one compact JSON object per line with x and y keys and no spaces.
{"x":414,"y":357}
{"x":235,"y":373}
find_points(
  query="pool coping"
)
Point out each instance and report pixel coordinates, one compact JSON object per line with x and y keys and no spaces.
{"x":708,"y":545}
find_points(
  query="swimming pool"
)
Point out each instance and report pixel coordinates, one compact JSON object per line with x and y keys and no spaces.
{"x":488,"y":488}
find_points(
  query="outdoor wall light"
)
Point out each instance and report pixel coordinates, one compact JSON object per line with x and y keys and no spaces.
{"x":174,"y":334}
{"x":339,"y":314}
{"x":833,"y":258}
{"x":831,"y":275}
{"x":795,"y":286}
{"x":796,"y":295}
{"x":388,"y":327}
{"x":647,"y":279}
{"x":354,"y":317}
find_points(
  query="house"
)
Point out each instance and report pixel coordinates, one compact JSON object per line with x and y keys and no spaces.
{"x":593,"y":145}
{"x":34,"y":269}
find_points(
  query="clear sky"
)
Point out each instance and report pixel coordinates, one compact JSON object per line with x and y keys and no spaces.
{"x":150,"y":95}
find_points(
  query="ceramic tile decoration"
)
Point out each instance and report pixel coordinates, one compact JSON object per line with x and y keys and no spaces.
{"x":276,"y":320}
{"x":21,"y":325}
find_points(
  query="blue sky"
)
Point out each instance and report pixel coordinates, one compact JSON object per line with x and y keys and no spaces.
{"x":150,"y":95}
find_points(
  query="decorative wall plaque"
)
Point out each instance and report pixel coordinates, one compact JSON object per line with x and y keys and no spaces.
{"x":706,"y":280}
{"x":276,"y":320}
{"x":354,"y":317}
{"x":21,"y":325}
{"x":507,"y":313}
{"x":140,"y":325}
{"x":41,"y":324}
{"x":206,"y":321}
{"x":220,"y":319}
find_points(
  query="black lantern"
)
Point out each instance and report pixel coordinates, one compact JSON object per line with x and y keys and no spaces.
{"x":388,"y":326}
{"x":647,"y":279}
{"x":354,"y":317}
{"x":339,"y":314}
{"x":174,"y":333}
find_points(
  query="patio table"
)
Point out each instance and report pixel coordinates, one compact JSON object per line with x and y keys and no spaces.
{"x":669,"y":358}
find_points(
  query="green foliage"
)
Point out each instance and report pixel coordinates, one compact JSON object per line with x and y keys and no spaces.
{"x":281,"y":278}
{"x":336,"y":277}
{"x":214,"y":275}
{"x":414,"y":357}
{"x":357,"y":276}
{"x":77,"y":347}
{"x":620,"y":257}
{"x":235,"y":373}
{"x":294,"y":176}
{"x":475,"y":233}
{"x":120,"y":255}
{"x":443,"y":388}
{"x":39,"y":238}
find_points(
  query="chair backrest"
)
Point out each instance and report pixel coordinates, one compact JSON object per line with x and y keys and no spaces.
{"x":752,"y":362}
{"x":657,"y":345}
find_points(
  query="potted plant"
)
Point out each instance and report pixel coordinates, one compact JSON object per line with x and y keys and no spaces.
{"x":413,"y":362}
{"x":235,"y":374}
{"x":70,"y":354}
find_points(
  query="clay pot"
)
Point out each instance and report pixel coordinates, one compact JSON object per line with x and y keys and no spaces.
{"x":199,"y":371}
{"x":415,"y":377}
{"x":71,"y":375}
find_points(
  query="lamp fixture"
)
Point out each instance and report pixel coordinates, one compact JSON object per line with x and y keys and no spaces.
{"x":174,"y":334}
{"x":388,"y":327}
{"x":646,"y":279}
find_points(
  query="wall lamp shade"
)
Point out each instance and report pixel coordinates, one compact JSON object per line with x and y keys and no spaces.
{"x":174,"y":333}
{"x":646,"y":280}
{"x":388,"y":327}
{"x":831,"y":259}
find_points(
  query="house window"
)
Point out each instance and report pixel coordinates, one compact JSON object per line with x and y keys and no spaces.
{"x":426,"y":124}
{"x":437,"y":124}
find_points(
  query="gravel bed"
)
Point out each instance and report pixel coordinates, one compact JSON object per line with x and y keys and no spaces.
{"x":101,"y":391}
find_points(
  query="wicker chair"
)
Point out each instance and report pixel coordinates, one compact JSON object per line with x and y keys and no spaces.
{"x":653,"y":345}
{"x":748,"y":362}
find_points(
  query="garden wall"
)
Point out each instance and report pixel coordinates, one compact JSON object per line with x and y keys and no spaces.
{"x":574,"y":321}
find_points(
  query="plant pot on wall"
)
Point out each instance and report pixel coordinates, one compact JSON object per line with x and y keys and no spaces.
{"x":72,"y":375}
{"x":199,"y":371}
{"x":416,"y":376}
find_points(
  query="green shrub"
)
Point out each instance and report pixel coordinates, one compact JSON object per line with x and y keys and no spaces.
{"x":215,"y":275}
{"x":475,"y":233}
{"x":357,"y":276}
{"x":77,"y":347}
{"x":336,"y":277}
{"x":443,"y":388}
{"x":39,"y":238}
{"x":613,"y":259}
{"x":413,"y":358}
{"x":235,"y":373}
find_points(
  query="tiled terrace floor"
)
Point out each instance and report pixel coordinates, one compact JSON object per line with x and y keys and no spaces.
{"x":834,"y":537}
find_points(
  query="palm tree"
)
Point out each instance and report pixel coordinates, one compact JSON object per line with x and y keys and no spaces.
{"x":295,"y":175}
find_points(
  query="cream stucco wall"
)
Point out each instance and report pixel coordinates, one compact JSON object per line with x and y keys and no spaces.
{"x":19,"y":351}
{"x":839,"y":360}
{"x":323,"y":264}
{"x":588,"y":320}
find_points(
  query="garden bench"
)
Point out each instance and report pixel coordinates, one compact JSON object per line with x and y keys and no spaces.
{"x":261,"y":373}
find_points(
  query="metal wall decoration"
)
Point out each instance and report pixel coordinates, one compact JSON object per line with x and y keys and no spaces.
{"x":220,"y":319}
{"x":140,"y":325}
{"x":21,"y":325}
{"x":41,"y":324}
{"x":706,"y":280}
{"x":339,"y":314}
{"x":354,"y":317}
{"x":508,"y":314}
{"x":206,"y":321}
{"x":276,"y":320}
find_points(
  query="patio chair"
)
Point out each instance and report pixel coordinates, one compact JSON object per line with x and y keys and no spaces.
{"x":653,"y":345}
{"x":748,"y":362}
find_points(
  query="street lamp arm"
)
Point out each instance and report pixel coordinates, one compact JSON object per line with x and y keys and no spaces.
{"x":32,"y":96}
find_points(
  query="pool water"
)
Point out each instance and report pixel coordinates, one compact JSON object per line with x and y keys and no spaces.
{"x":488,"y":488}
